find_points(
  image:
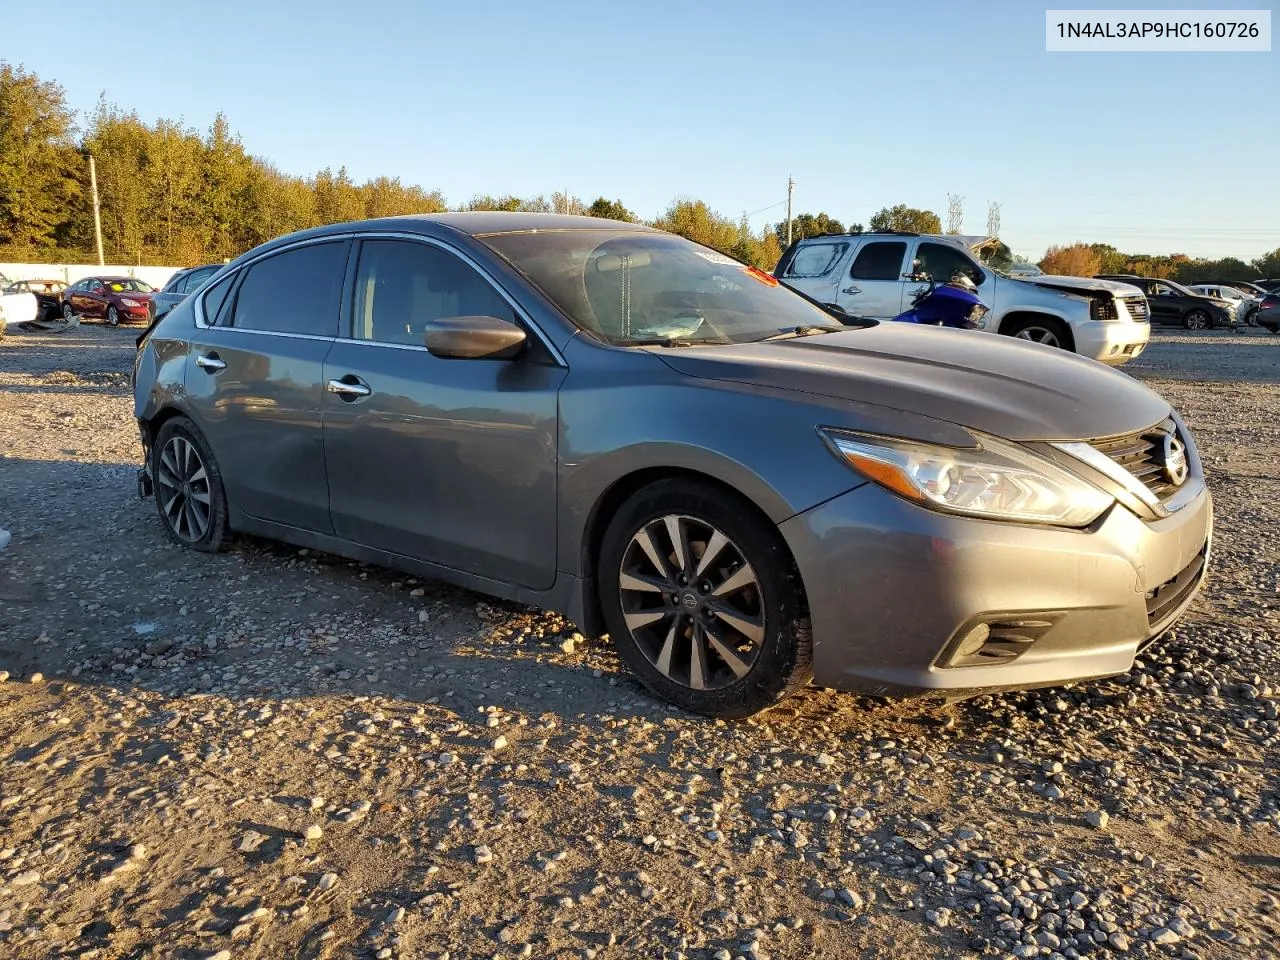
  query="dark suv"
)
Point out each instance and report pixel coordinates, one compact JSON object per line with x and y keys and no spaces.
{"x":1172,"y":303}
{"x":181,"y":284}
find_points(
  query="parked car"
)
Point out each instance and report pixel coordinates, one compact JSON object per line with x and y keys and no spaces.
{"x":180,"y":285}
{"x":17,"y":306}
{"x":670,"y":446}
{"x":1247,"y":287}
{"x":114,"y":299}
{"x":1172,"y":303}
{"x":871,"y":275}
{"x":1269,"y":312}
{"x":1243,"y":307}
{"x":48,"y":294}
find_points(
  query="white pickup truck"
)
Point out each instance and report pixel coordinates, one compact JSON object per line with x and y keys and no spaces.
{"x":876,"y":275}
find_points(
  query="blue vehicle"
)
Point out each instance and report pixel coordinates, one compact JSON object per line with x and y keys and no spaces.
{"x":951,"y":304}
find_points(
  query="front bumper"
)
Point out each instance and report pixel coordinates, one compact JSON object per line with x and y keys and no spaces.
{"x":1111,"y":341}
{"x":892,"y":588}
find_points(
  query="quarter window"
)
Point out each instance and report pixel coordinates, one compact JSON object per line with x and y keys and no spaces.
{"x":879,"y":260}
{"x":296,"y":291}
{"x":816,"y":259}
{"x":403,"y":286}
{"x":216,"y":301}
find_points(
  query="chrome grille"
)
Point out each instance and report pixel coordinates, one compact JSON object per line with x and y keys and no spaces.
{"x":1137,"y":307}
{"x":1142,"y":454}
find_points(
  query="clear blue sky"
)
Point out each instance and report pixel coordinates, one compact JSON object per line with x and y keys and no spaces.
{"x":865,"y":104}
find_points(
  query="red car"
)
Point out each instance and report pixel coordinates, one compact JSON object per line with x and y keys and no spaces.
{"x":114,"y":299}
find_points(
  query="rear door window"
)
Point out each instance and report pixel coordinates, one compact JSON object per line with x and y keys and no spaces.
{"x":816,"y":259}
{"x":879,"y":260}
{"x":942,"y":261}
{"x":296,"y":291}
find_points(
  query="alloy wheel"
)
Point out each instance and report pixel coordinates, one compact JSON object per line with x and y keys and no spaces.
{"x":1038,"y":335}
{"x":692,"y":602}
{"x":113,"y":316}
{"x":67,"y":312}
{"x":1197,"y":320}
{"x":182,"y":487}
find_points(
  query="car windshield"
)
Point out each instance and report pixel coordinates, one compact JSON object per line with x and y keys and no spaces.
{"x":633,"y":288}
{"x":129,"y":285}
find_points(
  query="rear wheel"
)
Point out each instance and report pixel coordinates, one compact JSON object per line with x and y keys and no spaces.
{"x":1045,"y":330}
{"x":1251,"y":318}
{"x":189,"y":494}
{"x":1196,"y":320}
{"x":703,"y":600}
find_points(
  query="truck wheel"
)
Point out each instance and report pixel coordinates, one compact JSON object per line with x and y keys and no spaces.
{"x":1046,"y":330}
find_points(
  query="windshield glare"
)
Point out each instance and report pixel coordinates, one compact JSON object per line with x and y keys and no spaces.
{"x":630,"y":288}
{"x":120,"y":286}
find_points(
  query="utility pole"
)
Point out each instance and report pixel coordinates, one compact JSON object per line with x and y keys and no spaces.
{"x":791,"y":186}
{"x":97,"y":216}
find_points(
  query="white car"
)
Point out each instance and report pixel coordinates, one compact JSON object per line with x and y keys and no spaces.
{"x":1244,"y":306}
{"x":17,"y":308}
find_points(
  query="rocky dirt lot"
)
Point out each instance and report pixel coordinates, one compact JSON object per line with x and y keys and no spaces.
{"x":273,"y":753}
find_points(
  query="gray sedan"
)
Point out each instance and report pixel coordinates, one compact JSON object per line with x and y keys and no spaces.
{"x":670,"y":448}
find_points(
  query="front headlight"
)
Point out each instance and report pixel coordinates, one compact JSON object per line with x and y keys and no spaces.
{"x":130,"y":303}
{"x":996,"y":480}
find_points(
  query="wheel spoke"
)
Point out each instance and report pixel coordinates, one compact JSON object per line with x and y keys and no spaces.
{"x":668,"y":647}
{"x":727,"y":654}
{"x":632,"y":580}
{"x":744,"y":576}
{"x":750,"y":627}
{"x":679,"y":542}
{"x":651,"y":551}
{"x":167,"y":460}
{"x":697,"y":659}
{"x":645,"y":617}
{"x":200,"y":496}
{"x":199,"y":476}
{"x":189,"y":512}
{"x":714,"y":546}
{"x":168,"y":507}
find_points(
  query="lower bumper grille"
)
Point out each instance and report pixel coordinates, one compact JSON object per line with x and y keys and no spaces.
{"x":1167,"y":597}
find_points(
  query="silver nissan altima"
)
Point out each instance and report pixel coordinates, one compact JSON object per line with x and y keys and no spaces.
{"x":742,"y":489}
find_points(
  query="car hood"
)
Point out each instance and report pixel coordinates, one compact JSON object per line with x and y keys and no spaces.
{"x":998,"y":385}
{"x":1082,"y":285}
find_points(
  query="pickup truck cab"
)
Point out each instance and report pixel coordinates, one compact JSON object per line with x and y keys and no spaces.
{"x":876,"y":275}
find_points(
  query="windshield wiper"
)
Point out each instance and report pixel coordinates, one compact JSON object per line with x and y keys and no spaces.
{"x":804,"y":330}
{"x":675,"y":342}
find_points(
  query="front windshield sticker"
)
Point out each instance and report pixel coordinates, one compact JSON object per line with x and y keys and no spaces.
{"x":720,"y":258}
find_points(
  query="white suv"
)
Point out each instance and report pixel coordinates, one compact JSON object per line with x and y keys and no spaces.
{"x":871,"y":275}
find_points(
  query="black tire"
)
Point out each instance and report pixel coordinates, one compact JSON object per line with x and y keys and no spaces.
{"x":113,"y":316}
{"x":1044,"y":330}
{"x":180,"y":526}
{"x":1196,"y":320}
{"x":1251,"y":318}
{"x":780,"y":662}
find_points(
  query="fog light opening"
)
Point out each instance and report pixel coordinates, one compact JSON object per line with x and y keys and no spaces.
{"x":972,"y":641}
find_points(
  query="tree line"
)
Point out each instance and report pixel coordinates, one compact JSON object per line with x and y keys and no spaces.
{"x":171,"y":194}
{"x":1089,"y":259}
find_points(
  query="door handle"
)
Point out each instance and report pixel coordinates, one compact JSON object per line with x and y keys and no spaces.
{"x":347,"y":391}
{"x":210,"y":363}
{"x":851,"y":289}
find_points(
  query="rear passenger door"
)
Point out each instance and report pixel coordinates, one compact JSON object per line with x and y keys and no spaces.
{"x":874,"y":282}
{"x":814,"y":270}
{"x":254,"y":380}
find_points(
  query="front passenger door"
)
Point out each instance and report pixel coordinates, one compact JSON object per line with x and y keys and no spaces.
{"x":448,"y":461}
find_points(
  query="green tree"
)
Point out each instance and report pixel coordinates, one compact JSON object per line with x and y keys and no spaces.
{"x":808,"y":225}
{"x":1268,"y":265}
{"x":610,"y":210}
{"x":119,"y":144}
{"x":698,"y":222}
{"x":906,"y":219}
{"x":39,"y":163}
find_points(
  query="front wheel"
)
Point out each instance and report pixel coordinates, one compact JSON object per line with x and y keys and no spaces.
{"x":1196,"y":320}
{"x":113,"y":316}
{"x":703,"y":600}
{"x":1251,"y":318}
{"x":1043,"y":330}
{"x":68,"y":314}
{"x":189,"y":494}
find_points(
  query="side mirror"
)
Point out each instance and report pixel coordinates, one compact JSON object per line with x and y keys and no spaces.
{"x":474,"y":338}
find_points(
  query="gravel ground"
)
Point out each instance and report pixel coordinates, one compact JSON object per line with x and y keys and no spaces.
{"x":274,"y":753}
